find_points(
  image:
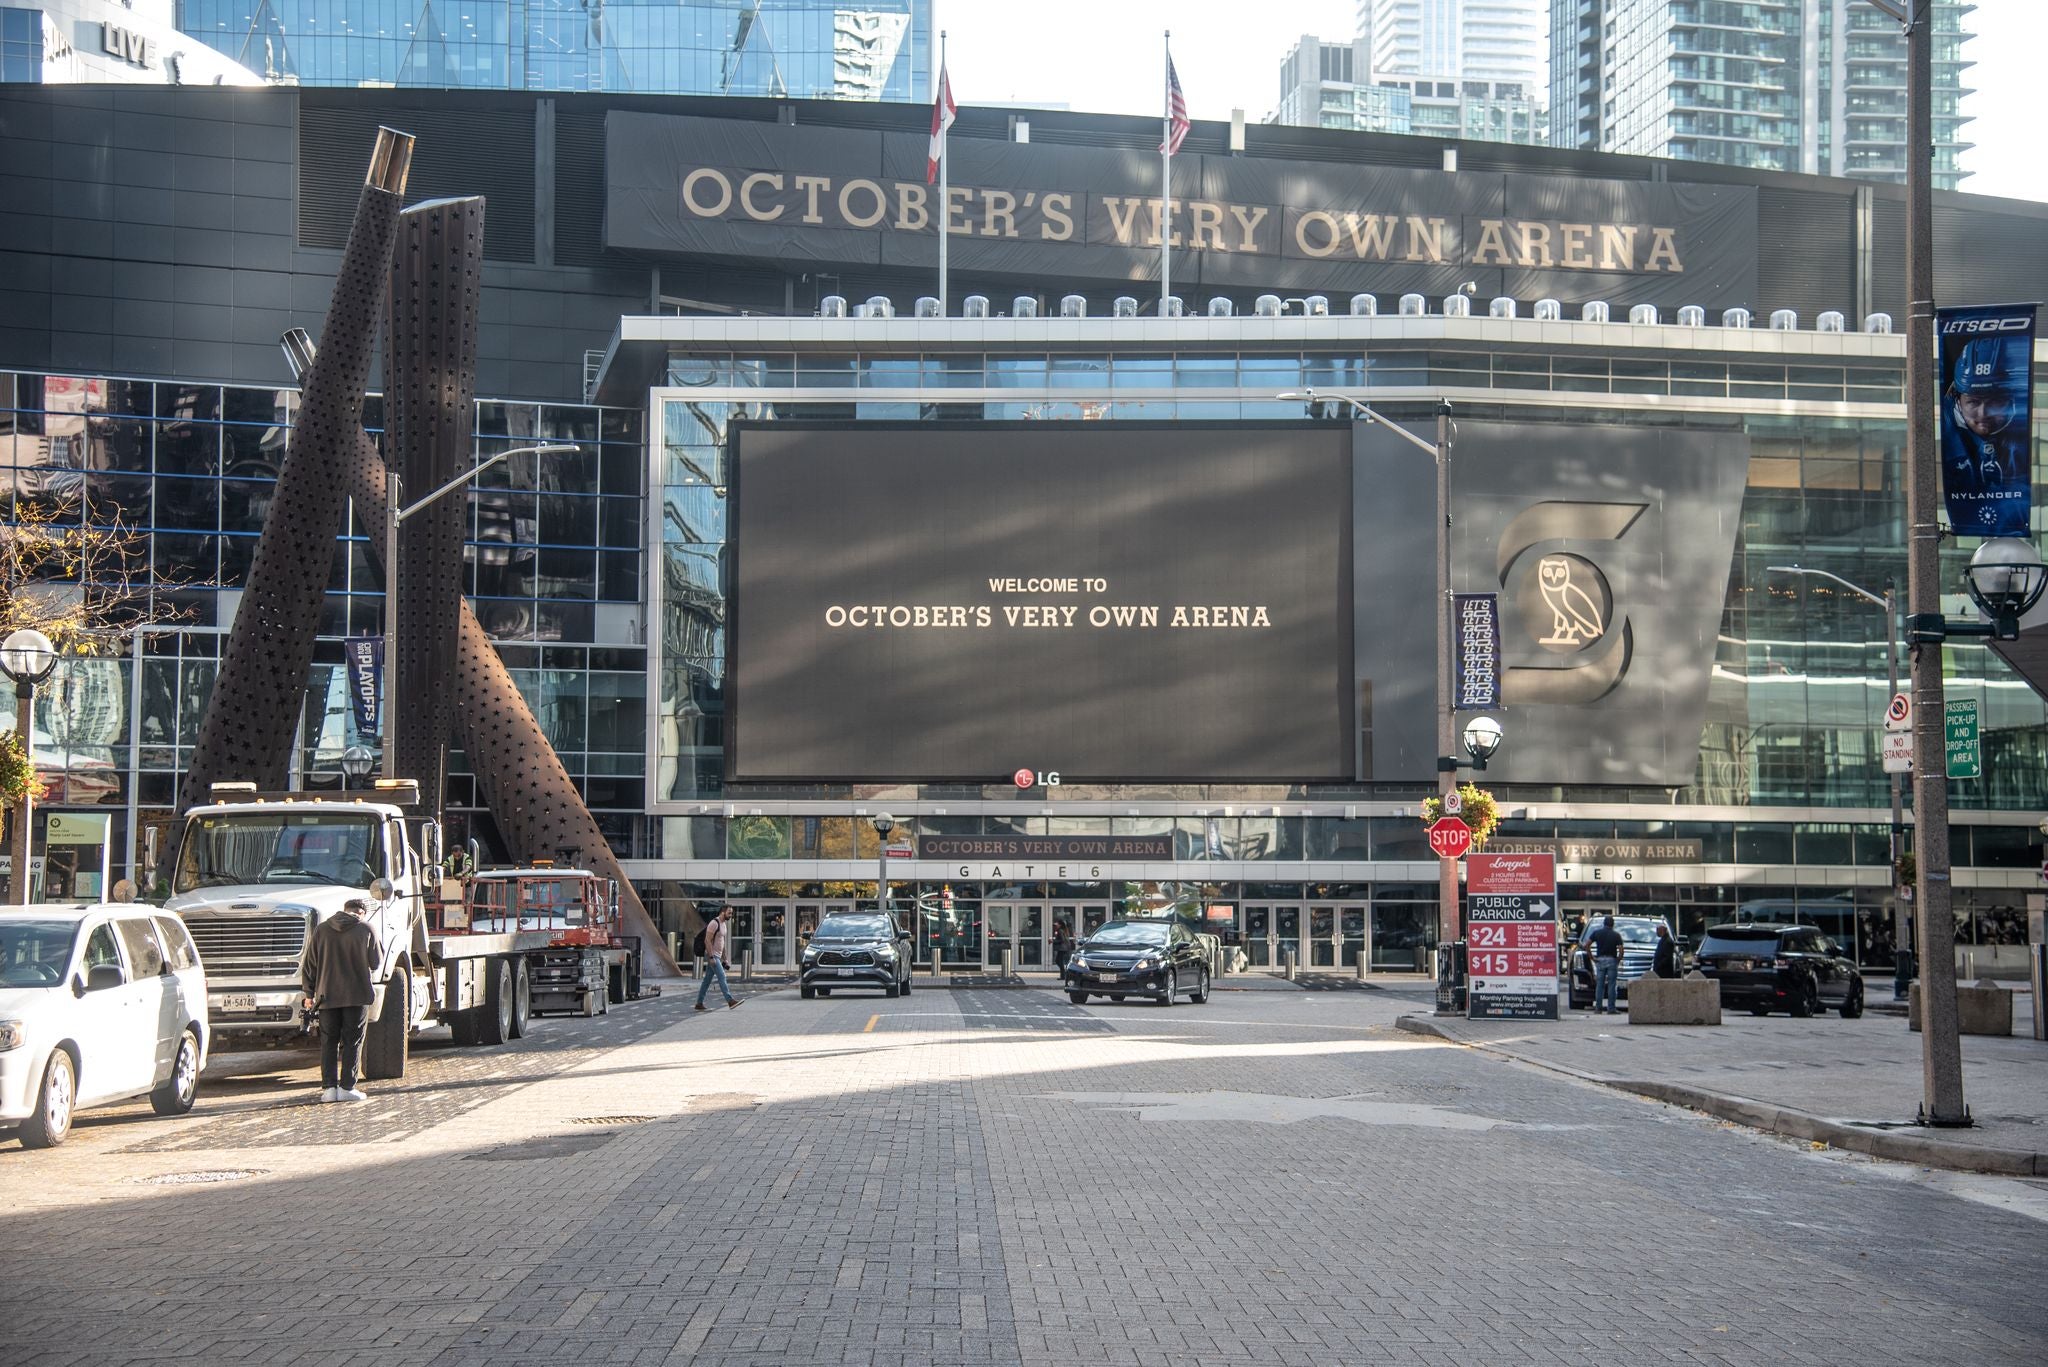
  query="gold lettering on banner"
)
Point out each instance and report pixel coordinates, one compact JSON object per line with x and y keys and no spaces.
{"x":1493,"y":248}
{"x":1577,"y":254}
{"x":1122,"y":223}
{"x":811,"y":185}
{"x":1248,"y":223}
{"x":1663,"y":247}
{"x":1205,"y":221}
{"x":698,"y":177}
{"x":768,"y":178}
{"x":1059,"y":215}
{"x":1425,"y":230}
{"x":909,"y":201}
{"x":1535,"y":245}
{"x":959,"y":200}
{"x":1158,"y":209}
{"x":1617,"y":246}
{"x":998,"y":206}
{"x":846,"y":193}
{"x":1329,"y":222}
{"x":1372,"y":235}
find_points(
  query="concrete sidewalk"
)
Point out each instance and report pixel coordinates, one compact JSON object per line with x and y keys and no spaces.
{"x":1854,"y":1084}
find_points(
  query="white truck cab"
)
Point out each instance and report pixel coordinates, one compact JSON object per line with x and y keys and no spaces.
{"x":257,"y":872}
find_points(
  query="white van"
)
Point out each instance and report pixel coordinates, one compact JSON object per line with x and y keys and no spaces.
{"x":98,"y":1003}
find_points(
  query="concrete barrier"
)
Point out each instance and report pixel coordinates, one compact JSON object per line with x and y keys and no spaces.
{"x":1980,"y":1010}
{"x":1694,"y":1000}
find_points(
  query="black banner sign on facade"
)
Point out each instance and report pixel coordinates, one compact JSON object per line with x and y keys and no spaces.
{"x":1016,"y":847}
{"x":1477,"y":617}
{"x":724,"y":187}
{"x":1986,"y":370}
{"x":365,"y":656}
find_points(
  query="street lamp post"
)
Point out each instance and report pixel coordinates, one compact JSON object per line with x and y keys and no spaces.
{"x":396,"y":511}
{"x":27,"y":657}
{"x":356,"y":762}
{"x":1448,"y":919}
{"x":883,"y":824}
{"x":1889,"y":602}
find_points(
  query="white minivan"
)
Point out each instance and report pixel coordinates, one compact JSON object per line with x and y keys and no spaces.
{"x":98,"y":1003}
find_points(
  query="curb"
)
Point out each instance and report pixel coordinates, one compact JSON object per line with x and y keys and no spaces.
{"x":1783,"y":1120}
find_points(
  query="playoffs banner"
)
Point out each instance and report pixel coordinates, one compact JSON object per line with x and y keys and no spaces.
{"x":1987,"y":388}
{"x":365,"y":656}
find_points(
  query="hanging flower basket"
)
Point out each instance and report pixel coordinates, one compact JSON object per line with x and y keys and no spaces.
{"x":18,"y":774}
{"x":1478,"y":812}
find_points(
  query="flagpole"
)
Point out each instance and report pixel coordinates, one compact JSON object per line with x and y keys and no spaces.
{"x":945,"y":167}
{"x":1166,"y":178}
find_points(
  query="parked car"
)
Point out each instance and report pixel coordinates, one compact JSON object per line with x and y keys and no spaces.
{"x":98,"y":1003}
{"x":1638,"y":950}
{"x":1770,"y":968}
{"x":855,"y":949}
{"x":1161,"y":959}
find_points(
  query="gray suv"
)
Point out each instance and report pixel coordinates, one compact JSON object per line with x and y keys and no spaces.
{"x":855,"y":949}
{"x":1638,"y":949}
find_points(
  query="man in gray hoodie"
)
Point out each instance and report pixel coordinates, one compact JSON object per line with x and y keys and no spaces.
{"x":338,"y":976}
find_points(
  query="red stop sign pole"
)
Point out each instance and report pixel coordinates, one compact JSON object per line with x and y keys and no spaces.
{"x":1450,"y":837}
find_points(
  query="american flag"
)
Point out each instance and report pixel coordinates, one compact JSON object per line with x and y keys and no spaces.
{"x":943,"y":110}
{"x":1177,"y":124}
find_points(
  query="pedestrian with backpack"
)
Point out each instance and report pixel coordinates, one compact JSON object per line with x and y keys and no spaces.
{"x":711,"y":943}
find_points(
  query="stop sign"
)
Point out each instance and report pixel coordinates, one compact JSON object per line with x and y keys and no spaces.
{"x":1449,"y":837}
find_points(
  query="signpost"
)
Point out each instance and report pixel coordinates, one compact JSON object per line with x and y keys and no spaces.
{"x":1511,"y":934}
{"x":1449,"y":837}
{"x":1965,"y":755}
{"x":1898,"y":752}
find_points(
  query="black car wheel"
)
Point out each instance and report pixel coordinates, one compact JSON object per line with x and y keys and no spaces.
{"x":1200,"y":996}
{"x":889,"y":989}
{"x":1168,"y":986}
{"x":807,"y":992}
{"x":1078,"y":998}
{"x":907,"y":975}
{"x":1852,"y":1005}
{"x":1805,"y":998}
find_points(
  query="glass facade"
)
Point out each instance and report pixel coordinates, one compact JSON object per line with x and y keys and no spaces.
{"x":792,"y":49}
{"x":21,"y":45}
{"x":1782,"y":85}
{"x":172,"y":483}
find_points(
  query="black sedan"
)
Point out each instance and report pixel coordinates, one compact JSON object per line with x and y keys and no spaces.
{"x":855,"y":949}
{"x":1158,"y":959}
{"x":1770,"y":968}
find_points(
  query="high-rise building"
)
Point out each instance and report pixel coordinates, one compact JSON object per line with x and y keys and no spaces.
{"x":106,"y":42}
{"x":1465,"y":40}
{"x":795,"y":49}
{"x":1782,"y":85}
{"x":1330,"y":85}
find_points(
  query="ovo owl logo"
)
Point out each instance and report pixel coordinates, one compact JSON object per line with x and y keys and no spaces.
{"x":1565,"y":601}
{"x":1575,"y":604}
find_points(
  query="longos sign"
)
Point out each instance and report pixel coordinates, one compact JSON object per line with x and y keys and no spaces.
{"x":733,"y":188}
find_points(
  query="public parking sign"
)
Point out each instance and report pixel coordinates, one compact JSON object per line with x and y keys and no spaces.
{"x":1511,"y":936}
{"x":1450,"y":837}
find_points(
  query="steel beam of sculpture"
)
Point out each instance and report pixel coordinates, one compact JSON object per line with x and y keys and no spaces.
{"x":261,"y":687}
{"x":437,"y":274}
{"x":455,"y":685}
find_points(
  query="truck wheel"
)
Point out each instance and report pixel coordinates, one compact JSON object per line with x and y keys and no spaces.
{"x":633,"y":975}
{"x":386,"y":1042}
{"x":591,"y":997}
{"x":615,"y":982}
{"x":497,"y":1021}
{"x":522,"y":999}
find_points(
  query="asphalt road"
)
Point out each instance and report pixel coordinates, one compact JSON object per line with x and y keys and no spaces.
{"x":993,"y":1176}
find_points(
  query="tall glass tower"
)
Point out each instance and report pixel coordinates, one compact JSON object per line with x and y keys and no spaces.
{"x":1784,"y":85}
{"x":793,"y":49}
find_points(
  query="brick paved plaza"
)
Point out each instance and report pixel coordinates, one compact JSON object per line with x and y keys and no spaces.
{"x":992,"y":1176}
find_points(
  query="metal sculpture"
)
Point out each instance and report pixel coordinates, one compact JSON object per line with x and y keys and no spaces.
{"x":261,"y":687}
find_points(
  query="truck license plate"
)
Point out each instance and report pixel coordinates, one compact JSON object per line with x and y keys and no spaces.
{"x":241,"y":1002}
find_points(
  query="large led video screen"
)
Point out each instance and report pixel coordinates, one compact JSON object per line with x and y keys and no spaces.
{"x":1109,"y":601}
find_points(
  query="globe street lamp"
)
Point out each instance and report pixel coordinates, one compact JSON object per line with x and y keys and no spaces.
{"x":1449,"y":925}
{"x":356,"y":762}
{"x":27,"y":657}
{"x":396,"y":511}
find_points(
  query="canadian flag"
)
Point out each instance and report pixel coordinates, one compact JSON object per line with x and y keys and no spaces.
{"x":943,"y":112}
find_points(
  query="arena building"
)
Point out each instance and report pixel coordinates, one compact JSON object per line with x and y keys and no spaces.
{"x":1665,"y":380}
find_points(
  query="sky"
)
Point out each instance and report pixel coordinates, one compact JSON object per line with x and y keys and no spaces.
{"x":1104,"y":56}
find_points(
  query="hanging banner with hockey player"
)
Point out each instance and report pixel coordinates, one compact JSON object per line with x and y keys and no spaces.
{"x":1986,"y":373}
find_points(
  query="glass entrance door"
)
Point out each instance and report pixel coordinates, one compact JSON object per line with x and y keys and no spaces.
{"x":1258,"y":931}
{"x":1002,"y":934}
{"x":1286,"y":935}
{"x":1351,"y":936}
{"x":1066,"y":917}
{"x":1032,"y":951}
{"x":1322,"y":931}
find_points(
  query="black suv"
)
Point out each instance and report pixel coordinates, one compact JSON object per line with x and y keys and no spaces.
{"x":1159,"y":959}
{"x":1780,"y":968}
{"x":855,"y":949}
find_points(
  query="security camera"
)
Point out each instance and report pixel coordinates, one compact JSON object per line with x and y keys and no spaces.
{"x":1470,"y":287}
